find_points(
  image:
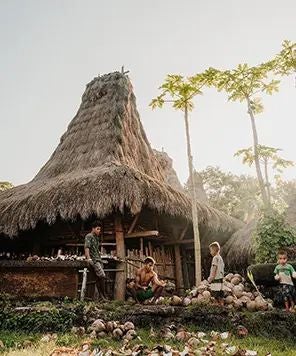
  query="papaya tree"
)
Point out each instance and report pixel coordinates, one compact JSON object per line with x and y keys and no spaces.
{"x":268,"y":156}
{"x":285,"y":61}
{"x":244,"y":84}
{"x":180,"y":92}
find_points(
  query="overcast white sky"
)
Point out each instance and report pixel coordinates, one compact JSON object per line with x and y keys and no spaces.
{"x":51,"y":49}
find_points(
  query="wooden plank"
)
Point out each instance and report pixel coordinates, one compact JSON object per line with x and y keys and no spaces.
{"x":177,"y":242}
{"x":152,"y":233}
{"x":133,"y":224}
{"x":120,"y":279}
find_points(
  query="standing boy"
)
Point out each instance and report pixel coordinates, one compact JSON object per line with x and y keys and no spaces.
{"x":93,"y":256}
{"x":284,"y":272}
{"x":216,"y":273}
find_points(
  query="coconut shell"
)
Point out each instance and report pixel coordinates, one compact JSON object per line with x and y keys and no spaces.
{"x":206,"y":294}
{"x":110,"y":326}
{"x":101,"y":334}
{"x":193,"y":342}
{"x":168,"y":335}
{"x":237,"y":291}
{"x":229,"y":277}
{"x":181,"y":335}
{"x":235,"y":281}
{"x":229,"y":299}
{"x":98,"y":325}
{"x":244,"y":299}
{"x":237,"y":304}
{"x":128,"y":326}
{"x":194,"y":301}
{"x":186,"y":301}
{"x":176,"y":300}
{"x":117,"y":333}
{"x":130,"y":335}
{"x":251,"y":306}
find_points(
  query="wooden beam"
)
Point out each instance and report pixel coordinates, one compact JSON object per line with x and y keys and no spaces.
{"x":177,"y":242}
{"x":133,"y":224}
{"x":120,"y":278}
{"x":152,"y":233}
{"x":178,"y":269}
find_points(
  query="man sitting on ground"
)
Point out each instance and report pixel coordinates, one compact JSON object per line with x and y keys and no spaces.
{"x":146,"y":285}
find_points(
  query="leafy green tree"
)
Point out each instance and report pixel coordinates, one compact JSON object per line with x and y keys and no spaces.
{"x":238,"y":196}
{"x":5,"y":185}
{"x":268,"y":156}
{"x":285,"y":61}
{"x":272,"y":234}
{"x":243,"y":84}
{"x":180,"y":92}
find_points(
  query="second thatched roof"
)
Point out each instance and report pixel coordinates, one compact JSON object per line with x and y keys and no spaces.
{"x":103,"y":163}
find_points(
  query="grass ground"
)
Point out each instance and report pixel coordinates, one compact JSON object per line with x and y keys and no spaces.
{"x":22,"y":344}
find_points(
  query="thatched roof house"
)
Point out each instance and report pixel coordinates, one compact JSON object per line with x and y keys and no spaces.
{"x":103,"y":162}
{"x":105,"y":167}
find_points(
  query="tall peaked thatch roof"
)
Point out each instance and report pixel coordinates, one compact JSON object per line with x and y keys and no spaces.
{"x":103,"y":162}
{"x":170,"y":174}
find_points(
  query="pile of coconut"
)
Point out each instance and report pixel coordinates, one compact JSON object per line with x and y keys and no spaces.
{"x":237,"y":295}
{"x":101,"y":329}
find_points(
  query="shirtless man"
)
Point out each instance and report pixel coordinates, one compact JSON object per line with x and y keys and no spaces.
{"x":147,"y":284}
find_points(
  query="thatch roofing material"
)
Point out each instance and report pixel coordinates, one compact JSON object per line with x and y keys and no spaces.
{"x":238,"y":250}
{"x":170,"y":174}
{"x":103,"y":162}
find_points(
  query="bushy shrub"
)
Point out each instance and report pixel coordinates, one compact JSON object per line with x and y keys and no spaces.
{"x":272,"y":235}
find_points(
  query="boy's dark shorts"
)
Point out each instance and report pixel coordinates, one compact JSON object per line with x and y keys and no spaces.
{"x":288,"y":292}
{"x":218,"y":294}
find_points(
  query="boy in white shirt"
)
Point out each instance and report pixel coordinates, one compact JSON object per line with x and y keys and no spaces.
{"x":216,"y":273}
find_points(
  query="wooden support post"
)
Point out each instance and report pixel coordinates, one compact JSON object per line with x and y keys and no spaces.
{"x":150,"y":249}
{"x":84,"y":282}
{"x":120,"y":279}
{"x":185,"y":271}
{"x":141,"y":247}
{"x":178,"y":269}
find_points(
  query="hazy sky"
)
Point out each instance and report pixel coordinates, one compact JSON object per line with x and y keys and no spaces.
{"x":51,"y":49}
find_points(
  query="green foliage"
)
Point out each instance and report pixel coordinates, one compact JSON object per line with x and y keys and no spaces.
{"x":238,"y":196}
{"x":267,"y":155}
{"x":5,"y":185}
{"x":272,"y":234}
{"x":180,"y":91}
{"x":244,"y":83}
{"x":39,"y":319}
{"x":285,"y":61}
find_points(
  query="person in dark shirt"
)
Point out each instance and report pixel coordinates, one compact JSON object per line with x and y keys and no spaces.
{"x":93,"y":256}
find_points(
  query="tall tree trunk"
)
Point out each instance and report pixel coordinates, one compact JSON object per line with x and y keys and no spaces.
{"x":267,"y":183}
{"x":256,"y":156}
{"x":193,"y":195}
